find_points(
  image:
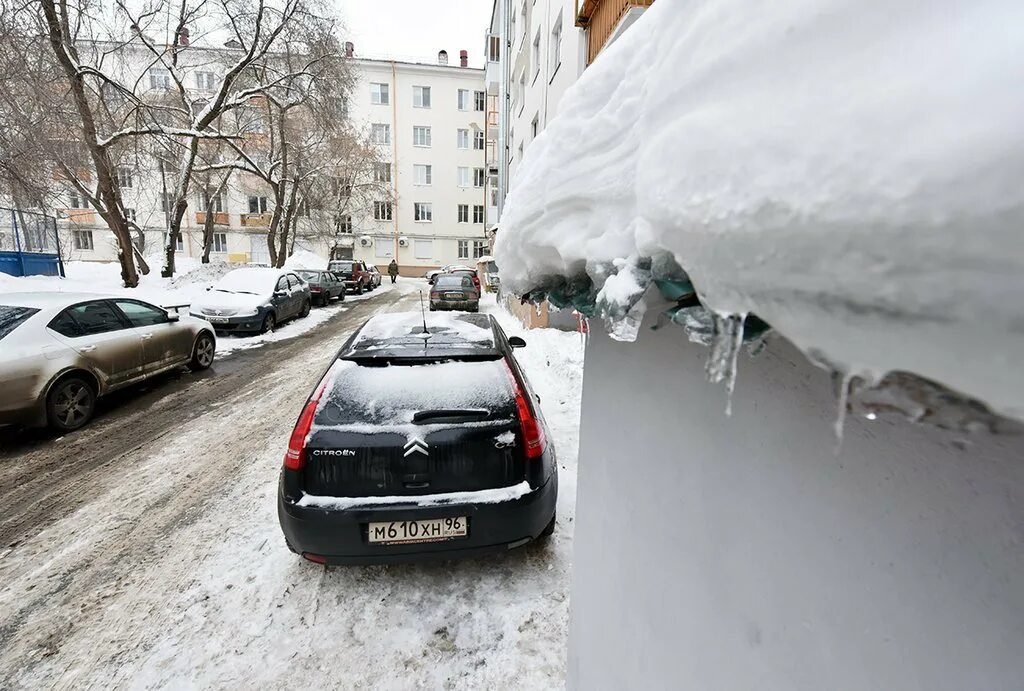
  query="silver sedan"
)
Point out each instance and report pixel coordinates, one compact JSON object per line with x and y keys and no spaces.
{"x":59,"y":352}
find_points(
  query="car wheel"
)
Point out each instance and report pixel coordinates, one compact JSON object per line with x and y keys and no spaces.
{"x":305,"y":310}
{"x":359,"y":290}
{"x":70,"y":404}
{"x":269,"y":322}
{"x":202,"y":352}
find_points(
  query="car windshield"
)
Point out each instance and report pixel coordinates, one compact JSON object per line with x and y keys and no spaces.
{"x":248,"y":281}
{"x":492,"y":267}
{"x":451,"y":281}
{"x":12,"y":317}
{"x":309,"y":275}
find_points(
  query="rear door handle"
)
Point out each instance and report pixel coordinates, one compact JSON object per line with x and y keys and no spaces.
{"x":146,"y":337}
{"x":87,"y":349}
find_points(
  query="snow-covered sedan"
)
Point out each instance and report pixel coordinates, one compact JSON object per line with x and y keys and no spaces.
{"x":59,"y":352}
{"x":422,"y":440}
{"x":254,"y":300}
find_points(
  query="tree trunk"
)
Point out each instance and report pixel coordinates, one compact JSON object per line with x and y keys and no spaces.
{"x":180,"y":206}
{"x":65,"y":50}
{"x":287,"y":229}
{"x":208,"y":230}
{"x":275,"y":221}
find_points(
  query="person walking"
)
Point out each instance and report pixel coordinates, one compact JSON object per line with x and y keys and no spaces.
{"x":393,"y":270}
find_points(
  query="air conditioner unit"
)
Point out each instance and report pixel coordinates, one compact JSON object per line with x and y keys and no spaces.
{"x":366,"y":241}
{"x":403,"y":241}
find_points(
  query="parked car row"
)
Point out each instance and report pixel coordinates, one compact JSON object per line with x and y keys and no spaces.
{"x":357,"y":275}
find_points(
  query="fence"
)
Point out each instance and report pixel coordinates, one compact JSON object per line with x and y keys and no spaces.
{"x":29,"y":244}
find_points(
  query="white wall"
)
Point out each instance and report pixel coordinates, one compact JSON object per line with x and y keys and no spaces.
{"x":739,"y":552}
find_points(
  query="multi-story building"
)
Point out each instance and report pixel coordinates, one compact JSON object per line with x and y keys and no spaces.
{"x":427,"y":120}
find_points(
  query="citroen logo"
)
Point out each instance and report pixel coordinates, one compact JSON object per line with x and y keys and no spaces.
{"x":417,"y":445}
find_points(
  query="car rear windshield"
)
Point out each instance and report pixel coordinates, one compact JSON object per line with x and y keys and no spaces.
{"x":406,"y":394}
{"x":453,"y":281}
{"x":309,"y":275}
{"x":13,"y":317}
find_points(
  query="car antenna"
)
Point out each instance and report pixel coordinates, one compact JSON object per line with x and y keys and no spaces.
{"x":423,"y":313}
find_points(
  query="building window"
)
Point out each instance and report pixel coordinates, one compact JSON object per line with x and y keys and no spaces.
{"x":520,"y":151}
{"x":129,"y":213}
{"x":463,"y":177}
{"x":206,"y":81}
{"x":522,"y":15}
{"x":216,"y":204}
{"x":77,"y":201}
{"x":82,"y":239}
{"x":534,"y":124}
{"x":463,"y":99}
{"x":179,"y":242}
{"x":536,"y":55}
{"x":463,"y":213}
{"x":383,"y":247}
{"x":124,"y":178}
{"x":478,"y":140}
{"x":478,"y":213}
{"x":382,"y":211}
{"x":344,"y":223}
{"x":478,"y":177}
{"x":220,"y":242}
{"x":159,"y":78}
{"x":463,"y":139}
{"x":463,"y":249}
{"x":479,"y":101}
{"x":423,"y":211}
{"x":421,"y":136}
{"x":421,"y":96}
{"x":382,"y":172}
{"x":555,"y":49}
{"x":379,"y":95}
{"x":166,"y":202}
{"x":421,"y":174}
{"x":423,"y":249}
{"x":522,"y":90}
{"x":479,"y":248}
{"x":257,"y":205}
{"x":380,"y":133}
{"x":494,"y":48}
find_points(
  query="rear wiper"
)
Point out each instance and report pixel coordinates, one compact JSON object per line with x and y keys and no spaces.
{"x":422,"y":416}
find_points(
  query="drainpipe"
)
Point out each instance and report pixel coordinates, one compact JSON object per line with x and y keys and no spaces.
{"x":505,"y":60}
{"x":394,"y":155}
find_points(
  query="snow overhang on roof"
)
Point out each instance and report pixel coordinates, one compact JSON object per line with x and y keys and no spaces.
{"x":830,"y":172}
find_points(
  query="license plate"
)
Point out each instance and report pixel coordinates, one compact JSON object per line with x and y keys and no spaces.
{"x":404,"y":532}
{"x":217,"y":320}
{"x":454,"y":296}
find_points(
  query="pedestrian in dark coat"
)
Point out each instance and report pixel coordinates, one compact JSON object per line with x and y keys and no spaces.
{"x":393,"y":270}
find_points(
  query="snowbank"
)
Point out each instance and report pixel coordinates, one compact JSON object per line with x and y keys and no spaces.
{"x":304,"y":259}
{"x":848,"y":171}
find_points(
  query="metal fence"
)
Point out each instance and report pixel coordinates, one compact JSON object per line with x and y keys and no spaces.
{"x":29,"y":243}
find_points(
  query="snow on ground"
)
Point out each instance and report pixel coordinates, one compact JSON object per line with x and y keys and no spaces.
{"x":215,"y":600}
{"x":825,"y":168}
{"x":188,"y":285}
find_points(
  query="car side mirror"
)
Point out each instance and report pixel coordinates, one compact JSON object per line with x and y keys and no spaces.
{"x":173,"y":317}
{"x":516,"y":342}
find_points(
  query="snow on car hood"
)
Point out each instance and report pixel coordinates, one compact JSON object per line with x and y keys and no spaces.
{"x":219,"y":300}
{"x":848,"y":171}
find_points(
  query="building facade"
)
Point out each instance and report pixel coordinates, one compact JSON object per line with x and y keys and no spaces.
{"x":427,"y":120}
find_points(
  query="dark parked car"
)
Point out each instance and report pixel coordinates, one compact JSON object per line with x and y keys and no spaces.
{"x":465,"y":271}
{"x":375,"y":277}
{"x":454,"y":292}
{"x":385,"y":464}
{"x":324,"y":286}
{"x":254,"y":300}
{"x":354,"y":273}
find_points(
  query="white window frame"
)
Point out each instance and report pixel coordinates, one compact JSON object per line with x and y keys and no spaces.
{"x":77,"y":201}
{"x":206,"y":81}
{"x":422,"y":174}
{"x":462,"y":139}
{"x":479,"y":176}
{"x":463,"y":99}
{"x":463,"y":249}
{"x":382,"y":172}
{"x":423,"y":248}
{"x":380,"y":93}
{"x":380,"y":133}
{"x":220,"y":243}
{"x":79,"y":236}
{"x":536,"y":54}
{"x":261,"y":204}
{"x":464,"y":176}
{"x":479,"y":248}
{"x":159,"y":79}
{"x":421,"y":136}
{"x":478,"y":213}
{"x":383,"y":211}
{"x":555,"y":45}
{"x":494,"y":49}
{"x":129,"y":213}
{"x":479,"y":140}
{"x":124,"y":177}
{"x":423,"y":212}
{"x":420,"y":96}
{"x":345,"y":224}
{"x":462,"y":213}
{"x":479,"y":101}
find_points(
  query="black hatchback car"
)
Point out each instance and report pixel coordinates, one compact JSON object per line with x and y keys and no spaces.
{"x":419,"y":443}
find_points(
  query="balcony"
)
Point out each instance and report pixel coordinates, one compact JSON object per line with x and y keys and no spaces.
{"x":81,"y":217}
{"x":219,"y":219}
{"x":255,"y":220}
{"x":605,"y":20}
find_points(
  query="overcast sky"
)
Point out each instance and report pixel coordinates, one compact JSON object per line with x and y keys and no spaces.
{"x":406,"y":29}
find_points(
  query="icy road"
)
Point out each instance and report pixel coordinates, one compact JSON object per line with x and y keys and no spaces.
{"x":144,"y":551}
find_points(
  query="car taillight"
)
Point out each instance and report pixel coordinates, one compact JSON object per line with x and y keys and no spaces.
{"x":533,"y":431}
{"x":315,"y":289}
{"x":295,"y":457}
{"x":434,"y":294}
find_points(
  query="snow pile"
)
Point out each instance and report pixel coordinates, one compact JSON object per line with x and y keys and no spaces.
{"x":304,"y":259}
{"x":848,"y":171}
{"x":483,"y":496}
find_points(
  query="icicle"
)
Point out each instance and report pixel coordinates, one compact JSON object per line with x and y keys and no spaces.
{"x":844,"y":399}
{"x":725,"y":348}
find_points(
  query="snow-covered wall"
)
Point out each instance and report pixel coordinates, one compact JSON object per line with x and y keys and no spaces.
{"x":848,"y":170}
{"x":716,"y":552}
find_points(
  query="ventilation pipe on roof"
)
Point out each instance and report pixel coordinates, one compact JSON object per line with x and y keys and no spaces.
{"x":183,"y":36}
{"x":350,"y":49}
{"x":463,"y":58}
{"x":442,"y":57}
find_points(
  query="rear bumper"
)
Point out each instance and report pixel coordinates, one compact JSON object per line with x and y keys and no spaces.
{"x":233,"y":324}
{"x":341,"y":535}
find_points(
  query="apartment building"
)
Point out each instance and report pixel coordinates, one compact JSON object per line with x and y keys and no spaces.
{"x":427,"y":120}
